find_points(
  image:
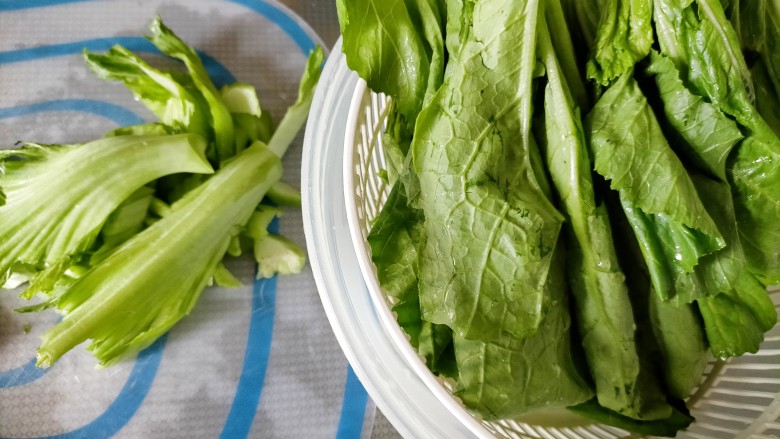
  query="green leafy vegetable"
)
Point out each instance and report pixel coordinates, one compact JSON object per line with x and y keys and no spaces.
{"x":708,"y":135}
{"x":128,"y":219}
{"x":295,"y":117}
{"x":483,"y":205}
{"x":624,"y":37}
{"x":512,"y":376}
{"x":707,"y":50}
{"x":736,"y":322}
{"x":161,"y":271}
{"x":564,"y":47}
{"x":767,"y":96}
{"x":668,"y":191}
{"x":49,"y":229}
{"x":658,"y":196}
{"x":602,"y":306}
{"x":702,"y":44}
{"x":220,"y":121}
{"x":755,"y":190}
{"x":770,"y":51}
{"x":177,"y":105}
{"x":250,"y":121}
{"x":284,"y":194}
{"x":679,"y":420}
{"x":134,"y":234}
{"x":749,"y":21}
{"x":397,"y":47}
{"x":731,"y":288}
{"x":278,"y":255}
{"x":395,"y":234}
{"x":683,"y":358}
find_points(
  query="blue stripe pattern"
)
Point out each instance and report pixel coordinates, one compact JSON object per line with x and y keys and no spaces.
{"x":218,"y":73}
{"x":272,"y":13}
{"x":119,"y":115}
{"x":353,"y":408}
{"x":129,"y":399}
{"x":284,"y":21}
{"x":21,"y":375}
{"x":16,"y":5}
{"x":258,"y":350}
{"x":95,"y":45}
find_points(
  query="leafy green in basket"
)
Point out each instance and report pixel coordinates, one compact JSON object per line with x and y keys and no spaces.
{"x":679,"y":420}
{"x":706,"y":139}
{"x":602,"y":306}
{"x":397,"y":47}
{"x":668,"y":194}
{"x":395,"y":234}
{"x":707,"y":136}
{"x":490,"y":229}
{"x":659,"y":197}
{"x":707,"y":52}
{"x":513,"y":376}
{"x":624,"y":36}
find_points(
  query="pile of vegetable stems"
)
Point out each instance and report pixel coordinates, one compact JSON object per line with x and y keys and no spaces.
{"x":122,"y":234}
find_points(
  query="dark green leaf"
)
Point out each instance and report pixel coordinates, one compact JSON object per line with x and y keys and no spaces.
{"x":396,"y":46}
{"x":602,"y":307}
{"x":512,"y":376}
{"x":668,"y":427}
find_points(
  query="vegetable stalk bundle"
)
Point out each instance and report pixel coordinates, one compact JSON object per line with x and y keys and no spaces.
{"x":124,"y":233}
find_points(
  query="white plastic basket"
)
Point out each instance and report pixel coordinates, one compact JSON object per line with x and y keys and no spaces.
{"x":736,"y":399}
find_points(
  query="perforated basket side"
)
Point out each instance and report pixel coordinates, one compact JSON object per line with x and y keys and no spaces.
{"x":739,"y":398}
{"x":368,"y":191}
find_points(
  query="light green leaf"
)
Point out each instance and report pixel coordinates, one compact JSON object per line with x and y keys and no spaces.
{"x":178,"y":105}
{"x":161,"y":270}
{"x":224,"y":278}
{"x":657,"y":194}
{"x":220,"y":119}
{"x":57,"y":198}
{"x":241,"y":98}
{"x":601,"y":300}
{"x":295,"y":117}
{"x":624,"y":37}
{"x":276,"y":254}
{"x":284,"y":194}
{"x":490,"y":228}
